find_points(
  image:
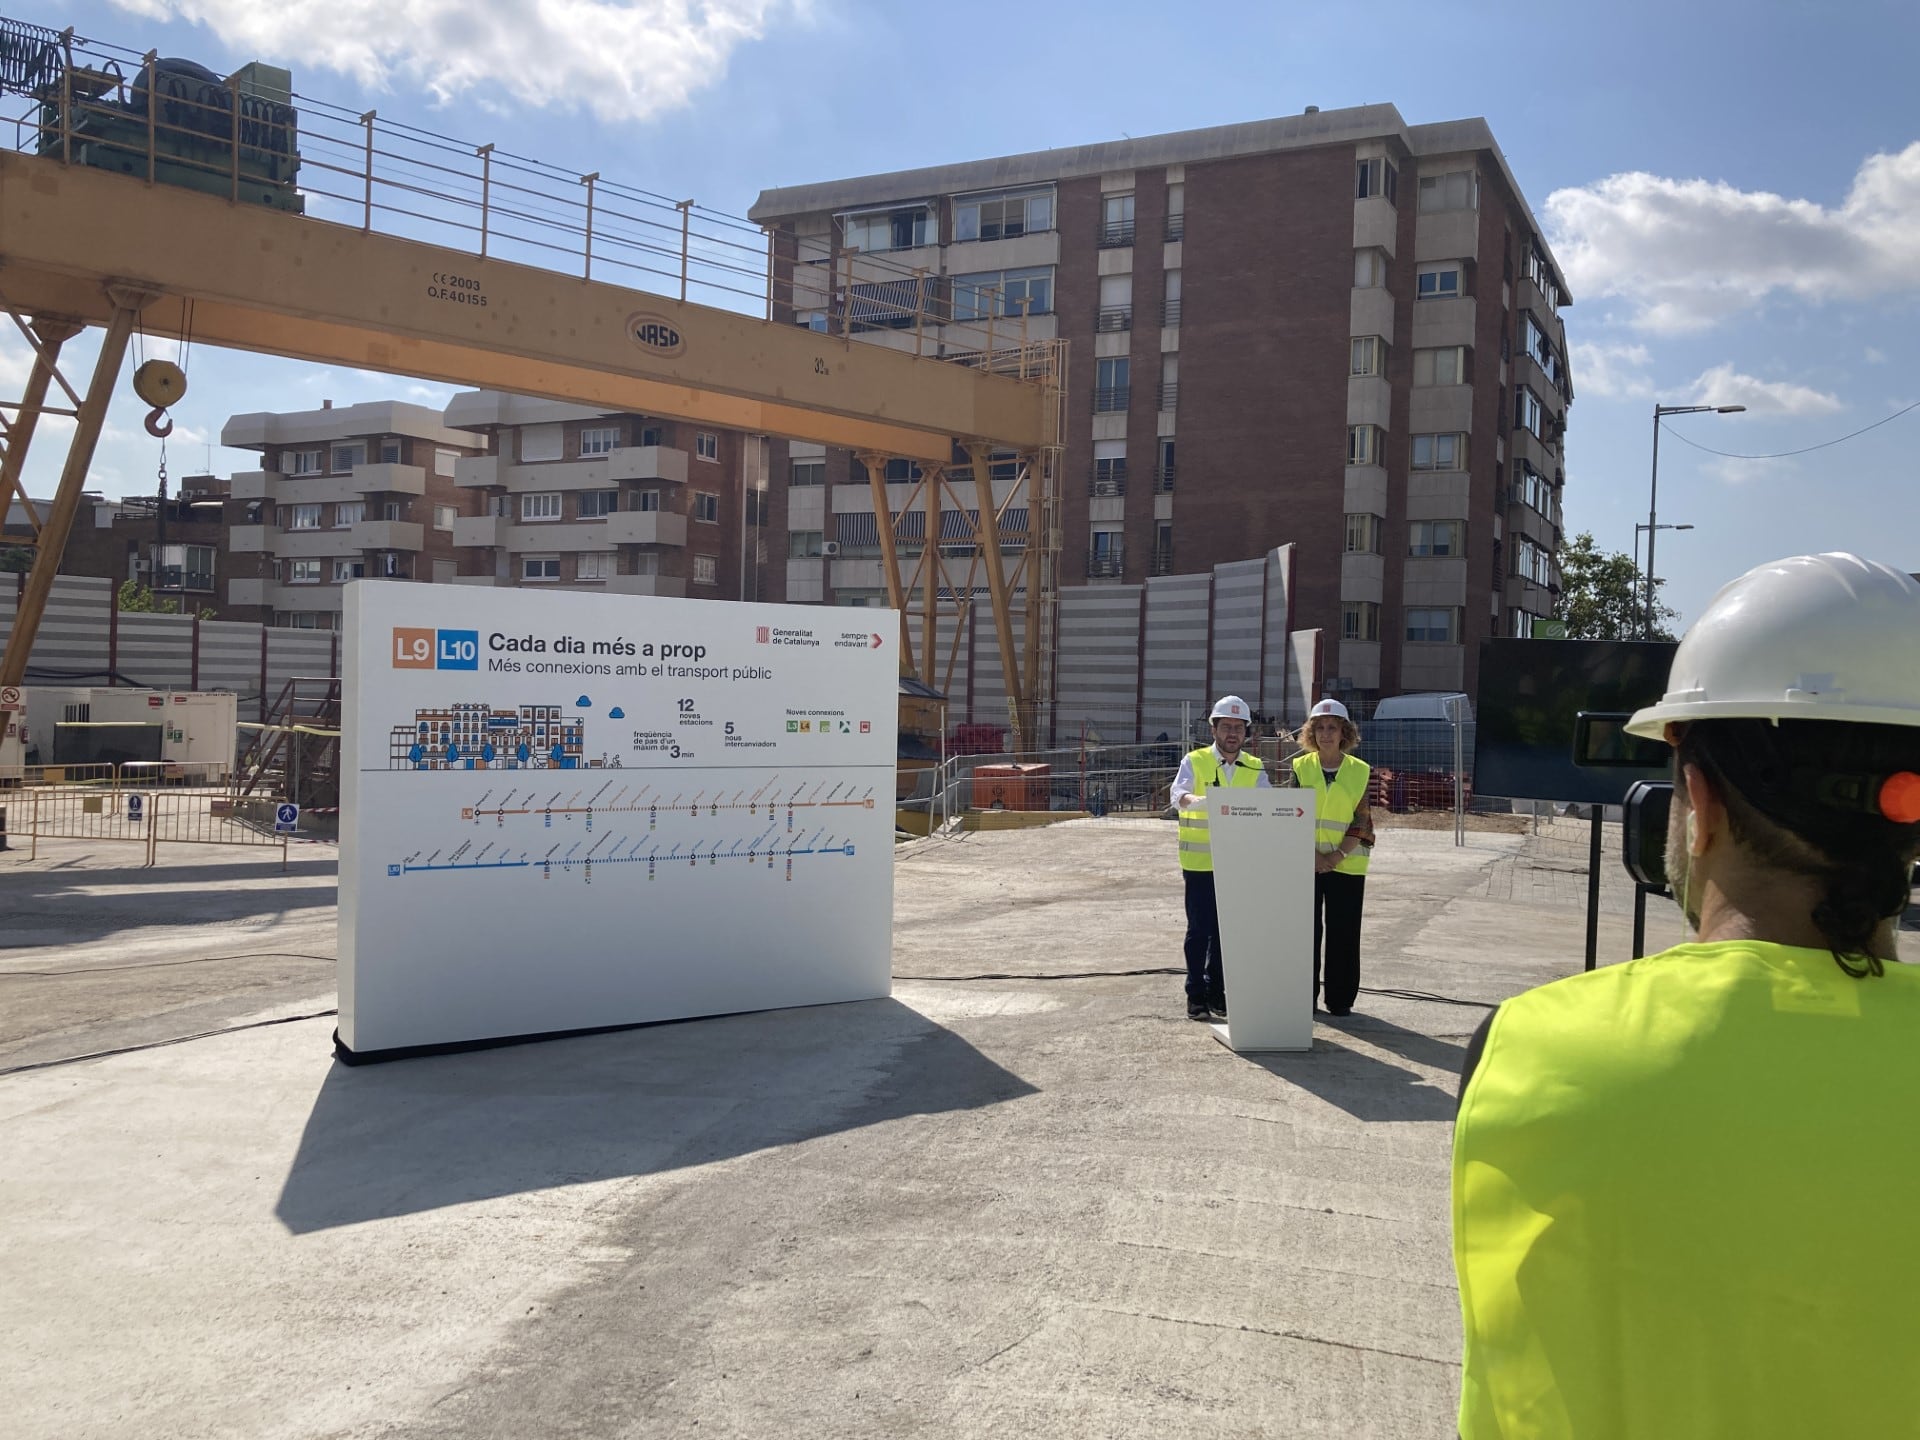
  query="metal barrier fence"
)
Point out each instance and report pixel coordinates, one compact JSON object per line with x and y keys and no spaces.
{"x":143,"y":803}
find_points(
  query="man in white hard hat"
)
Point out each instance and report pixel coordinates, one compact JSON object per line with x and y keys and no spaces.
{"x":1684,"y":1188}
{"x":1225,"y":762}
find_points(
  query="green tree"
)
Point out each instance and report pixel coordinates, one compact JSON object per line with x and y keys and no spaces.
{"x":16,"y":559}
{"x":140,"y":599}
{"x":1602,"y":595}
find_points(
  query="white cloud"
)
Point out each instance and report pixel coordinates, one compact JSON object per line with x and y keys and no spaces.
{"x":1611,"y":371}
{"x":1733,"y":470}
{"x":1723,"y":385}
{"x":625,"y":60}
{"x":1686,"y":253}
{"x":1874,"y":355}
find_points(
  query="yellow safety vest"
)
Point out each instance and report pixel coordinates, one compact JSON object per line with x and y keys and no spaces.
{"x":1195,"y":851}
{"x":1686,"y":1202}
{"x":1338,"y":803}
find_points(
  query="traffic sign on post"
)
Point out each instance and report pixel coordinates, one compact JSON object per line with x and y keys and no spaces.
{"x":286,"y":818}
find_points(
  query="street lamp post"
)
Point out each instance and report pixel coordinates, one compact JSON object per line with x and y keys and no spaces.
{"x":1660,"y":412}
{"x":1638,"y":531}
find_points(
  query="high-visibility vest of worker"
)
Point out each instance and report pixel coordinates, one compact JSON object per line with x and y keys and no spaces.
{"x":1343,"y":843}
{"x":1686,"y":1189}
{"x":1224,"y":762}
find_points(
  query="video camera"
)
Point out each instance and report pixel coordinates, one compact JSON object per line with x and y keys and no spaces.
{"x":1601,"y":741}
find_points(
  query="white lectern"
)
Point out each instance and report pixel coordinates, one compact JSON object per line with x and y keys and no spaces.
{"x":1262,"y":842}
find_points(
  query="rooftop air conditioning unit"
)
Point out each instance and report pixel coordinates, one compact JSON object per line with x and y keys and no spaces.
{"x":829,"y":548}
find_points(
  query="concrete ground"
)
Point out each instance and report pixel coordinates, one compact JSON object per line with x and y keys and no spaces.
{"x":1024,"y":1196}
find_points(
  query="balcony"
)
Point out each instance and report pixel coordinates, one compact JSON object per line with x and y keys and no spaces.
{"x":476,"y":471}
{"x":1161,"y":561}
{"x":1111,"y":319}
{"x":1176,"y":227}
{"x":250,"y":539}
{"x":250,"y":592}
{"x":1163,"y":480}
{"x":469,"y":530}
{"x":1106,"y":564}
{"x":252,"y":484}
{"x":1170,"y":395}
{"x":171,"y":579}
{"x":389,"y":479}
{"x":646,"y":527}
{"x":1116,"y":233}
{"x":646,"y":585}
{"x":647,"y":462}
{"x":385,"y":535}
{"x":1170,"y":313}
{"x":1109,"y":477}
{"x":1110,"y":399}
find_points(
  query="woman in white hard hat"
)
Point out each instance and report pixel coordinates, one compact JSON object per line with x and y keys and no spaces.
{"x":1684,"y":1187}
{"x":1343,"y":841}
{"x":1225,"y":762}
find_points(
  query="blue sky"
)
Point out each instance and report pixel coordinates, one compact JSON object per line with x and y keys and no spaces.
{"x":1734,"y":189}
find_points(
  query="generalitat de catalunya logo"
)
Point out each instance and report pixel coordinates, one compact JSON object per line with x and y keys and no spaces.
{"x":421,"y":649}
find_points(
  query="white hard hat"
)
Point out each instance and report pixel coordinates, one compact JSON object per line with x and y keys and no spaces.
{"x":1813,"y":637}
{"x":1330,"y":707}
{"x":1230,"y":707}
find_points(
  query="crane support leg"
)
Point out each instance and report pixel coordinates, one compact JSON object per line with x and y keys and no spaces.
{"x":876,"y":467}
{"x":47,"y":337}
{"x":66,"y":500}
{"x":997,"y":592}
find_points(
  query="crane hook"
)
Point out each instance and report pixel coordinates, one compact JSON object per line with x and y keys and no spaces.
{"x":158,"y":425}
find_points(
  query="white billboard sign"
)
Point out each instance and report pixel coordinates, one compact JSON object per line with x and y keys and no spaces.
{"x":563,"y":810}
{"x":1262,"y":843}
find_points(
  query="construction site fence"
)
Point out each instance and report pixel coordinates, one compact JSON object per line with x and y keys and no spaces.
{"x":135,"y":804}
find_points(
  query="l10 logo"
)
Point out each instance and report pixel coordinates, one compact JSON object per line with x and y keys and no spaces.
{"x":421,"y":649}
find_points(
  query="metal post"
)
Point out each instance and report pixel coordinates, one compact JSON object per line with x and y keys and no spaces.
{"x":485,"y":152}
{"x":366,"y":219}
{"x":919,"y":307}
{"x":1593,"y":891}
{"x":685,"y":207}
{"x":1459,"y":780}
{"x":153,"y":96}
{"x":1653,"y":495}
{"x":588,"y":181}
{"x":52,"y":541}
{"x":930,"y":574}
{"x":770,"y":274}
{"x":233,"y":95}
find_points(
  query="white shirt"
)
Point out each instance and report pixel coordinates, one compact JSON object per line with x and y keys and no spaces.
{"x":1183,"y":793}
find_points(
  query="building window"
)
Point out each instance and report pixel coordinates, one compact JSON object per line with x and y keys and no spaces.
{"x":1364,"y":444}
{"x":300,"y":462}
{"x":1359,"y":620}
{"x":1438,"y":280}
{"x":804,"y":544}
{"x":595,"y":503}
{"x":1165,"y":466}
{"x":1176,"y":211}
{"x":1534,"y":341}
{"x":645,"y":562}
{"x":646,"y":500}
{"x":346,"y":456}
{"x":443,"y":517}
{"x":184,"y":567}
{"x":1109,"y":468}
{"x":1116,"y":220}
{"x":1111,"y":384}
{"x":1528,"y":413}
{"x":300,"y":517}
{"x":539,"y":567}
{"x":1530,"y":488}
{"x":1439,"y":452}
{"x":1368,"y":356}
{"x":705,"y":570}
{"x":1369,"y":269}
{"x":593,"y":565}
{"x":349,"y":512}
{"x":344,"y":570}
{"x":1433,"y":627}
{"x":542,"y":442}
{"x":392,"y":452}
{"x":706,"y":506}
{"x":1170,"y":299}
{"x":807,"y":472}
{"x":1377,"y":179}
{"x":653,"y":435}
{"x":1446,"y":365}
{"x":303,"y":572}
{"x":1434,"y":537}
{"x":1161,"y":561}
{"x":444,"y":462}
{"x":543,"y":506}
{"x":398,"y":509}
{"x":602,"y":440}
{"x":1106,"y":555}
{"x":1541,"y":274}
{"x":888,"y":229}
{"x":1363,"y":534}
{"x":1116,"y":304}
{"x":707,"y":445}
{"x":1456,"y":190}
{"x":1003,"y":293}
{"x":1003,"y":216}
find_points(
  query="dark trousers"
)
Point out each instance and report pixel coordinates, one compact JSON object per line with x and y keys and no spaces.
{"x":1336,"y":934}
{"x":1205,"y":983}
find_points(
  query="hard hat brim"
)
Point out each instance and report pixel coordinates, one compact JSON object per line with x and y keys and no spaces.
{"x":1651,"y":723}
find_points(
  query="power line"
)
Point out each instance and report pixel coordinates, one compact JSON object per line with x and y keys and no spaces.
{"x":1785,"y":454}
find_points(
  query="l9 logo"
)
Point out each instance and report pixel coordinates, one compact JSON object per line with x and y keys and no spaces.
{"x":420,"y":649}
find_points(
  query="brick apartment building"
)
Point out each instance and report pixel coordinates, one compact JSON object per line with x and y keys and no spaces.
{"x":360,"y":490}
{"x":573,"y":497}
{"x":1333,"y":329}
{"x":179,"y":549}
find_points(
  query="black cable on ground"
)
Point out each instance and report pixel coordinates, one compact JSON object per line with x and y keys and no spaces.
{"x":163,"y":964}
{"x":160,"y":1044}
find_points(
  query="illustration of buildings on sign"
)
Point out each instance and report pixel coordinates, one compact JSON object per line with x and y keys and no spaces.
{"x":472,"y":735}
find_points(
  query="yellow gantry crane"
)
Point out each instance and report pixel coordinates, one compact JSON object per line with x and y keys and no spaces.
{"x":142,"y":214}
